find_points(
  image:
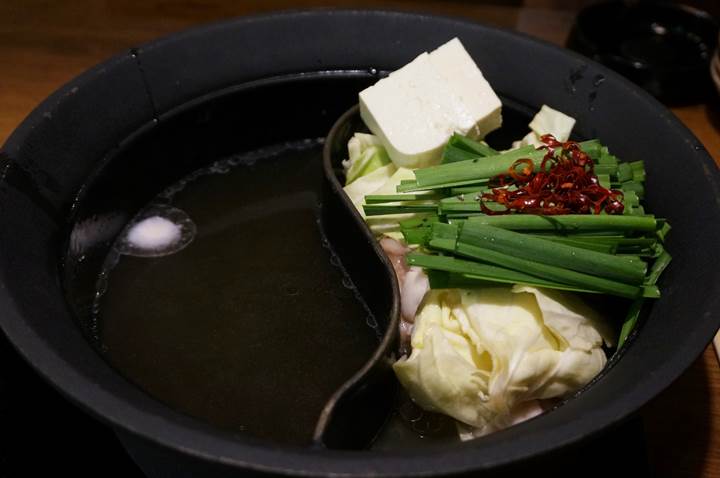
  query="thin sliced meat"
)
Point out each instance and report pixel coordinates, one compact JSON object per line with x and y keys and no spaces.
{"x":413,"y":283}
{"x":396,"y":251}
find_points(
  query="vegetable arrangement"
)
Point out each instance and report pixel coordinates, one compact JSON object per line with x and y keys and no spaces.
{"x":563,"y":216}
{"x":509,"y":242}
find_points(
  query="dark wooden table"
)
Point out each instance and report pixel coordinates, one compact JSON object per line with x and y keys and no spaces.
{"x":45,"y":43}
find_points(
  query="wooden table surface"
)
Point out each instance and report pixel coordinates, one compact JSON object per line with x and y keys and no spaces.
{"x":45,"y":43}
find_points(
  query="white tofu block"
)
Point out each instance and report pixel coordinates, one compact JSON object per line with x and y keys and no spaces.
{"x":411,"y":111}
{"x":479,"y":110}
{"x":416,"y":109}
{"x":554,"y":122}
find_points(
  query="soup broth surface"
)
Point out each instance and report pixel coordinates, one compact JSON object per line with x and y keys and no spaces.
{"x":253,"y":325}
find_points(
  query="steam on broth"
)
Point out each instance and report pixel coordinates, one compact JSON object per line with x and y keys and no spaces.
{"x":242,"y":302}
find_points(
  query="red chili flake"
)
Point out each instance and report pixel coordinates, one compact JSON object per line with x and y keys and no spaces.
{"x":565,"y":183}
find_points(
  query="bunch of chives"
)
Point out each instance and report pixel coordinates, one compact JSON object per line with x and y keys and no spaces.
{"x":621,"y":255}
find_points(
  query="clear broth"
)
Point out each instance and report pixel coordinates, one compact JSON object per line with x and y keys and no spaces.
{"x":253,"y":325}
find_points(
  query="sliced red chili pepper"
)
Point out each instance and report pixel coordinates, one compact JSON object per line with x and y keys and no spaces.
{"x":564,"y":184}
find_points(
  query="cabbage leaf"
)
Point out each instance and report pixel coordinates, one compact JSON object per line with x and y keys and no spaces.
{"x":365,"y":154}
{"x":480,"y":354}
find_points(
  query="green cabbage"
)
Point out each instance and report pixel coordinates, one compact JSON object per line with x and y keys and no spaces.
{"x":480,"y":354}
{"x":383,"y":180}
{"x":367,"y":184}
{"x":370,"y":171}
{"x":366,"y":154}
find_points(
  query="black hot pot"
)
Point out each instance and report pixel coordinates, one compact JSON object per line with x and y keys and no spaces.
{"x":152,"y":114}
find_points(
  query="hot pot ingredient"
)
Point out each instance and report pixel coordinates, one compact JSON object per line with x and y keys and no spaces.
{"x":419,"y":106}
{"x":478,"y":355}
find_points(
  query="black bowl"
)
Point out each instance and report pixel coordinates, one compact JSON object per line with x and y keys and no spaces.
{"x":181,"y":95}
{"x":663,"y":47}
